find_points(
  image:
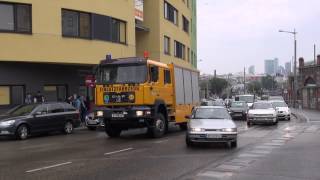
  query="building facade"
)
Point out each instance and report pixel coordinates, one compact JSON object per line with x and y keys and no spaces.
{"x":52,"y":46}
{"x":271,"y":66}
{"x":309,"y":84}
{"x":288,"y":68}
{"x":252,"y":70}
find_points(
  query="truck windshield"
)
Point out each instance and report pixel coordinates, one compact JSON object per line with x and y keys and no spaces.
{"x":121,"y":74}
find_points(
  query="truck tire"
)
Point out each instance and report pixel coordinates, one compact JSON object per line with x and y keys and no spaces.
{"x":112,"y":132}
{"x":159,"y":126}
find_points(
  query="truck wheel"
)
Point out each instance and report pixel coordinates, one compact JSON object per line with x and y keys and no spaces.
{"x":159,"y":126}
{"x":183,"y":126}
{"x":112,"y":132}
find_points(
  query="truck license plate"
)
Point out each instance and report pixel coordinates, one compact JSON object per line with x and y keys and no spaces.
{"x":214,"y":136}
{"x":117,"y":115}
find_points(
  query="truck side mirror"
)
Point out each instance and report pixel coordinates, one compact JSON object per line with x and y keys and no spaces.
{"x":188,"y":117}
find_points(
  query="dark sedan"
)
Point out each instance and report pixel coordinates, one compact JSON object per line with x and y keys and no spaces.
{"x":29,"y":119}
{"x":239,"y":109}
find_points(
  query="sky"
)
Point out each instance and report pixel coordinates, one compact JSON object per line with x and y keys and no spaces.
{"x":233,"y":34}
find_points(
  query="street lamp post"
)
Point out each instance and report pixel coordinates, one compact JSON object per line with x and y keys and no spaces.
{"x":294,"y":33}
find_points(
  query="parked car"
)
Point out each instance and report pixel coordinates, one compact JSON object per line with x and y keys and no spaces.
{"x":26,"y":120}
{"x":209,"y":124}
{"x":93,"y":122}
{"x":283,"y":111}
{"x":262,"y":112}
{"x":239,"y":109}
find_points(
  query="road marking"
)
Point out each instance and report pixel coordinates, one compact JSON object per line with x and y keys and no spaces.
{"x":227,"y":167}
{"x":114,"y":152}
{"x":48,"y":167}
{"x":251,"y":155}
{"x":215,"y":174}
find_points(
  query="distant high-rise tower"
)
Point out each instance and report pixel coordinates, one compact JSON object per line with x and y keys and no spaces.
{"x":288,"y":68}
{"x":271,"y":66}
{"x":252,"y":70}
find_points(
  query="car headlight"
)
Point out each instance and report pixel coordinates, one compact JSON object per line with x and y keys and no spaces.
{"x":99,"y":113}
{"x":197,"y":129}
{"x":7,"y":123}
{"x":229,"y":130}
{"x":139,"y":113}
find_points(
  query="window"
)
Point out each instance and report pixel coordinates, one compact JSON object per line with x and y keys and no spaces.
{"x":56,"y":108}
{"x":185,"y":24}
{"x":167,"y":77}
{"x":179,"y":50}
{"x":154,"y":74}
{"x":15,"y":18}
{"x":166,"y":45}
{"x":4,"y":95}
{"x":76,"y":24}
{"x":42,"y":110}
{"x":188,"y":55}
{"x":118,"y":31}
{"x":170,"y":13}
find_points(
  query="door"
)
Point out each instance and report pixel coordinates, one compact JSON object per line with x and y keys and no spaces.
{"x":57,"y":116}
{"x":40,"y":121}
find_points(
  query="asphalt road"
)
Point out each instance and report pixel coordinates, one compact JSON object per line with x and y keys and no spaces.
{"x":92,"y":155}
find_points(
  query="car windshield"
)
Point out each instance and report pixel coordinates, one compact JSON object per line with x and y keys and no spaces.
{"x":238,"y":104}
{"x":211,"y":113}
{"x":279,"y":104}
{"x":121,"y":74}
{"x":262,"y":106}
{"x":23,"y":110}
{"x":248,"y":99}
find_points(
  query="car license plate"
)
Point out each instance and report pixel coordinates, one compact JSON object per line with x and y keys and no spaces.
{"x":238,"y":114}
{"x":117,"y":115}
{"x":92,"y":122}
{"x":214,"y":136}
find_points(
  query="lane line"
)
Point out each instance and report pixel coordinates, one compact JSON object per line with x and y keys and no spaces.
{"x":48,"y":167}
{"x":161,"y":141}
{"x":114,"y":152}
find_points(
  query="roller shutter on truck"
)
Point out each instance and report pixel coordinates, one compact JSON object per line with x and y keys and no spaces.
{"x":187,"y":86}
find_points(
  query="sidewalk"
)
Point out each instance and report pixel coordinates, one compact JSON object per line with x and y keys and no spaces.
{"x":306,"y":114}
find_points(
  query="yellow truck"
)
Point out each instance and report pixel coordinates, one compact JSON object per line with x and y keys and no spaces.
{"x":138,"y":92}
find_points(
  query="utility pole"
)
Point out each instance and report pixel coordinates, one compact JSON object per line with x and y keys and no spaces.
{"x":244,"y":80}
{"x":295,"y":79}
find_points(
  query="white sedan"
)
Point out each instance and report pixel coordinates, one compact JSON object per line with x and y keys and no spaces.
{"x":262,"y":112}
{"x":283,"y":111}
{"x":209,"y":124}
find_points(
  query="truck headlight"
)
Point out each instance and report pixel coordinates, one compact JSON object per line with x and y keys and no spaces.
{"x":197,"y":129}
{"x":229,"y":130}
{"x":7,"y":123}
{"x":99,"y":113}
{"x":139,"y":113}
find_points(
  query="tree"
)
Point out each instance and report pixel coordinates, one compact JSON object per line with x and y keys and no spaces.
{"x":269,"y":83}
{"x":217,"y":85}
{"x":255,"y":87}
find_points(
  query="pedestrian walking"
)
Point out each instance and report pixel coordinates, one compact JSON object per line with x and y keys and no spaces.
{"x":39,"y":98}
{"x":28,"y":99}
{"x":83,"y":108}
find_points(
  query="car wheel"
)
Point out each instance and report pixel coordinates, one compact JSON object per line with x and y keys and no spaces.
{"x":22,"y":132}
{"x":112,"y":132}
{"x":188,"y":142}
{"x":229,"y":145}
{"x":159,"y":126}
{"x":68,"y":128}
{"x":183,"y":126}
{"x":92,"y":128}
{"x":249,"y":124}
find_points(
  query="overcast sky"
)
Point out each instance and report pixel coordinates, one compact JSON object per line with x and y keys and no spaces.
{"x":237,"y":33}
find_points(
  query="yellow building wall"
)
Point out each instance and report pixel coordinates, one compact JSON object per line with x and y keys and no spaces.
{"x":153,"y":41}
{"x":176,"y":33}
{"x":46,"y":43}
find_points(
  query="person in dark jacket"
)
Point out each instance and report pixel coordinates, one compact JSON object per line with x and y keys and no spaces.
{"x":39,"y":98}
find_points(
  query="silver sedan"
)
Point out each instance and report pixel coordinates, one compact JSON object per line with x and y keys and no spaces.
{"x":209,"y":124}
